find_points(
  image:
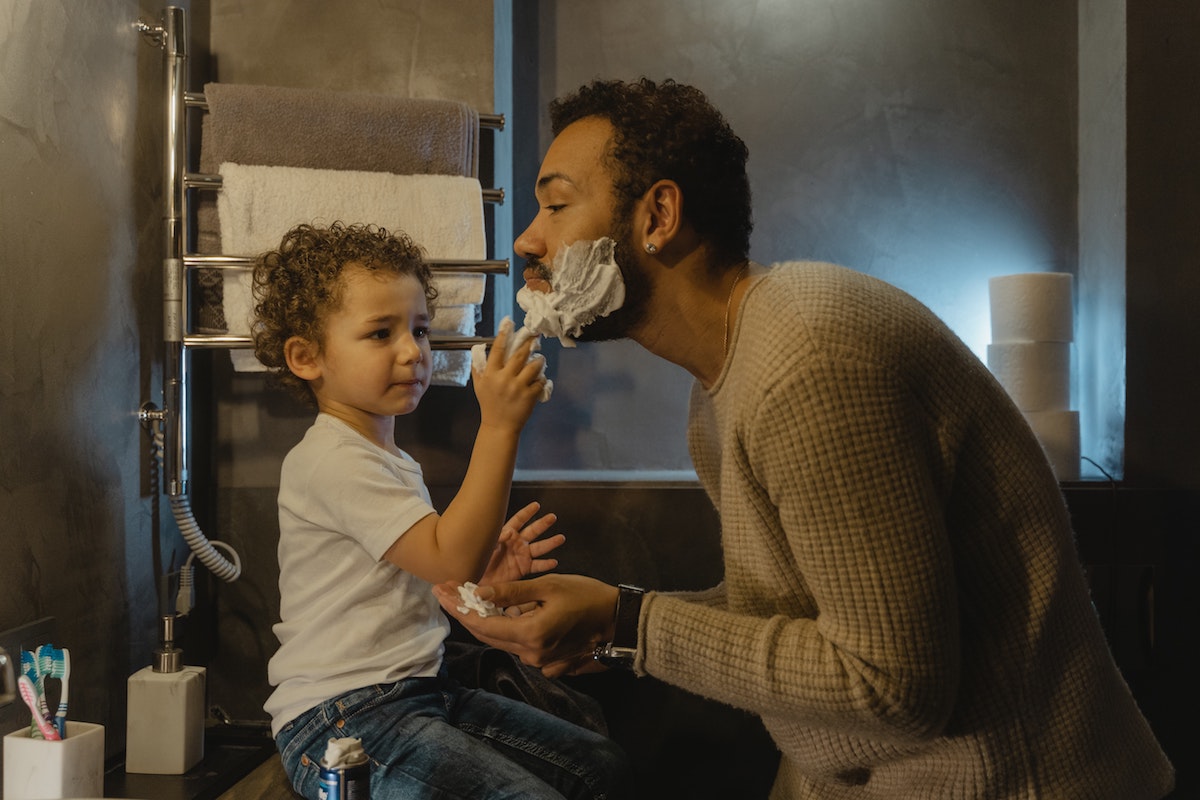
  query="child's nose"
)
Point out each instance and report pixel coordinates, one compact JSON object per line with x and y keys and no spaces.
{"x":408,"y":350}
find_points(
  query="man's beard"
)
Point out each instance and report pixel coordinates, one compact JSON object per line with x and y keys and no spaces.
{"x":621,"y":322}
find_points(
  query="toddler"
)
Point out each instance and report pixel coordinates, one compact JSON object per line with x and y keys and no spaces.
{"x":342,"y":317}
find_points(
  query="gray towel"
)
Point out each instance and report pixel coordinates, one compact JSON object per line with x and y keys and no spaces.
{"x":324,"y":129}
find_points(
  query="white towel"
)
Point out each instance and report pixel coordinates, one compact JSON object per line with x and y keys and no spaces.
{"x":459,"y":318}
{"x":451,"y":367}
{"x":258,"y":204}
{"x":442,"y":213}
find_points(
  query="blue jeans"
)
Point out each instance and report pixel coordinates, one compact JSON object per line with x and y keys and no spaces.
{"x":432,"y":738}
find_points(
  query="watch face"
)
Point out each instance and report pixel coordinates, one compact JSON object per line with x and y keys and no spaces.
{"x":618,"y":657}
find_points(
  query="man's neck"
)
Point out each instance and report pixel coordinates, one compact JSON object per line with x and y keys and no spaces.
{"x":686,"y":320}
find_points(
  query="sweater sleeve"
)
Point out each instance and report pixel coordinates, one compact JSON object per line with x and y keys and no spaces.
{"x":832,"y":486}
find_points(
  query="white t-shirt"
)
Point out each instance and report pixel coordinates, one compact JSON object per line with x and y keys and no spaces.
{"x":348,"y":618}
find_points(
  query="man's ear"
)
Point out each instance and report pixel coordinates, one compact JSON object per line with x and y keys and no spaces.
{"x":661,"y":214}
{"x":301,"y":357}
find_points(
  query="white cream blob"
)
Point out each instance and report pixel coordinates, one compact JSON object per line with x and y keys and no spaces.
{"x":344,"y":752}
{"x":470,"y":602}
{"x":515,"y":340}
{"x":585,"y":284}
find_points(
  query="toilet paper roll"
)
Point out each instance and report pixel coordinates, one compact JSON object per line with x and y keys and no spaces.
{"x":1058,"y":431}
{"x":1037,"y":375}
{"x":1032,"y":307}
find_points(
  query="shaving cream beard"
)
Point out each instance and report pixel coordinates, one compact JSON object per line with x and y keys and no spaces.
{"x":585,"y":285}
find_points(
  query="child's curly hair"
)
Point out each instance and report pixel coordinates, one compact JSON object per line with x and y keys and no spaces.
{"x":297,"y":285}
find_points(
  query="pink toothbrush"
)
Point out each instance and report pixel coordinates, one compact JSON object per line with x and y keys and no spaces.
{"x":30,"y":695}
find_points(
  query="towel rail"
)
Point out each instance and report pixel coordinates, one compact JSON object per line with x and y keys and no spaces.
{"x":171,"y":426}
{"x":200,"y":180}
{"x":229,"y":341}
{"x":484,"y":266}
{"x":490,"y":121}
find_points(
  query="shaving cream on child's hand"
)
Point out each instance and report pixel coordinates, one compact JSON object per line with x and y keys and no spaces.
{"x":515,"y":340}
{"x":471,"y":602}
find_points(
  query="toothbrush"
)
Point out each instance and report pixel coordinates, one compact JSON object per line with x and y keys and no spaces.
{"x":32,"y":699}
{"x":51,"y":664}
{"x":55,"y":662}
{"x":30,"y":666}
{"x":60,"y":716}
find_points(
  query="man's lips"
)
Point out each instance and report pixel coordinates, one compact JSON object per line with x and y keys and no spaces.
{"x":535,"y":281}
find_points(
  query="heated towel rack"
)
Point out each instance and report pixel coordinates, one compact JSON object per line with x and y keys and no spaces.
{"x":172,"y":421}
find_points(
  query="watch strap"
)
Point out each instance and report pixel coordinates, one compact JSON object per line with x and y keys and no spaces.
{"x":628,"y":613}
{"x":621,"y":651}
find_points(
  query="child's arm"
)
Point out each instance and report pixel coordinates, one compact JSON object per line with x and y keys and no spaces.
{"x":456,"y":545}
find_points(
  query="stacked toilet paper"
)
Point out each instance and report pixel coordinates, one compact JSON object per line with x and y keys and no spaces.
{"x":1030,"y":354}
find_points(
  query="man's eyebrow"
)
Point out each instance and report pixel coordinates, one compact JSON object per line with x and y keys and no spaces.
{"x":550,"y":177}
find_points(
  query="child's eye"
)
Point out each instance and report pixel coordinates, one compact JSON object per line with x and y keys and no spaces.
{"x":420,"y":332}
{"x":381,"y":334}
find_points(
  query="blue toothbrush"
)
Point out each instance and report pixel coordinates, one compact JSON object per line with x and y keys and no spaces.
{"x":60,"y":716}
{"x":55,"y":662}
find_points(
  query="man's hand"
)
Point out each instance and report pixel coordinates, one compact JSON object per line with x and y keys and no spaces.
{"x":552,"y":622}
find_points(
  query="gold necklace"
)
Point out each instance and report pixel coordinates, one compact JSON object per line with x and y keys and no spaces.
{"x":729,"y":303}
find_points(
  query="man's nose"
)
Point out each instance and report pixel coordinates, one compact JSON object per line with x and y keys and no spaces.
{"x":529,"y":244}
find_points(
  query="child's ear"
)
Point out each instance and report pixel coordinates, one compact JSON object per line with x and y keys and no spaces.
{"x":301,"y":356}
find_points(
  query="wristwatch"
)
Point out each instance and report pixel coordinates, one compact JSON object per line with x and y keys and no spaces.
{"x":623,"y":647}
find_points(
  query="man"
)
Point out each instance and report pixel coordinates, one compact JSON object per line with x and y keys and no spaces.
{"x":903,"y":605}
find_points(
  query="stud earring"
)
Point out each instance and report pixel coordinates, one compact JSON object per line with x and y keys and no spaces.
{"x":651,"y":248}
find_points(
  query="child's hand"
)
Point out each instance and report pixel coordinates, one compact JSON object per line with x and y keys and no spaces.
{"x":508,"y":389}
{"x":519,"y":551}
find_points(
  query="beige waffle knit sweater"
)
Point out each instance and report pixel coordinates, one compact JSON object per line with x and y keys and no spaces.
{"x":903,"y":604}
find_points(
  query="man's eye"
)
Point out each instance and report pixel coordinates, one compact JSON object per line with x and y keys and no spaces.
{"x":555,"y":209}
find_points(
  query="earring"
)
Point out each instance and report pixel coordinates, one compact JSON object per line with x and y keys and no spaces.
{"x":651,"y":248}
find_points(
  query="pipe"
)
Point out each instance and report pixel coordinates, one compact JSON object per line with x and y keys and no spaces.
{"x":171,"y":436}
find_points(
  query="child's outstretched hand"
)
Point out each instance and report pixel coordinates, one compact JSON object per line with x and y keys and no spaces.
{"x":519,"y":551}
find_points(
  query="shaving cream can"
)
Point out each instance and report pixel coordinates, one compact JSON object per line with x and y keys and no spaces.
{"x":350,"y":782}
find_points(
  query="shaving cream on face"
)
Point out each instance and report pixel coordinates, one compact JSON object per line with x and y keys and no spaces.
{"x":585,"y":284}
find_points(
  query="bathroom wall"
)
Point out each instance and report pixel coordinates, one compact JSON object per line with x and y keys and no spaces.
{"x":81,"y":538}
{"x":929,"y":143}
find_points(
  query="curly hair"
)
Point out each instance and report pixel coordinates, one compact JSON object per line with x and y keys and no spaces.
{"x":297,"y":285}
{"x":671,"y":131}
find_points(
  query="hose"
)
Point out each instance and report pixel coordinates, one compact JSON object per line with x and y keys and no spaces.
{"x":227,"y":569}
{"x":217,"y":564}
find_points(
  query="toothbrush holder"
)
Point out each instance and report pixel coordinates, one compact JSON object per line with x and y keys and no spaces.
{"x":38,"y":769}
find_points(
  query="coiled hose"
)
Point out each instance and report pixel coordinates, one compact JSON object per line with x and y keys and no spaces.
{"x":227,"y":569}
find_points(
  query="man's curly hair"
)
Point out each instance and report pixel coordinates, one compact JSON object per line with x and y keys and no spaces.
{"x":297,"y":285}
{"x":670,"y":131}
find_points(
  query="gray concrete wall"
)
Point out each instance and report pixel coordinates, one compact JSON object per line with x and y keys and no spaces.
{"x":80,"y":222}
{"x":929,"y":143}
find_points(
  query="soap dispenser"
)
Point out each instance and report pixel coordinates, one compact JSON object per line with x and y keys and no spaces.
{"x":164,"y":732}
